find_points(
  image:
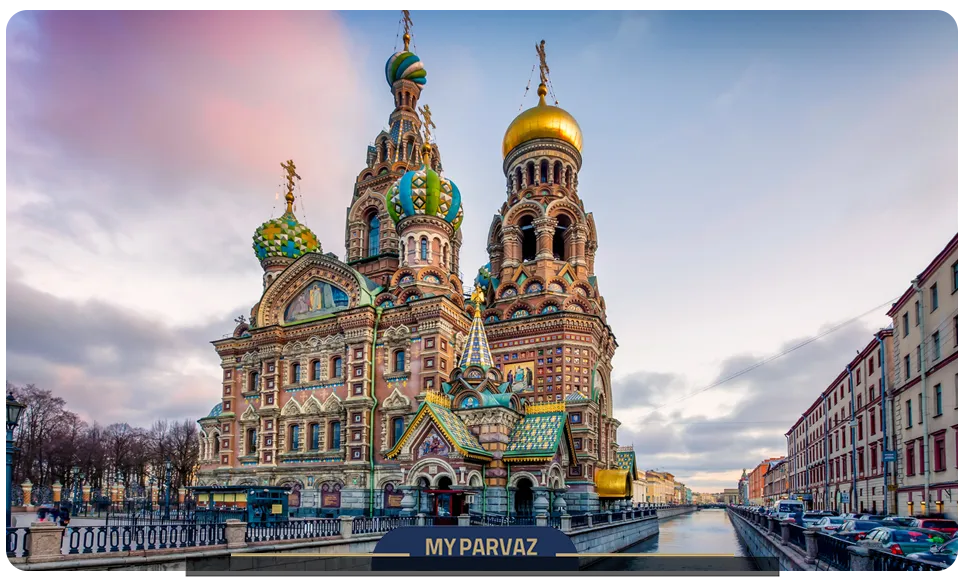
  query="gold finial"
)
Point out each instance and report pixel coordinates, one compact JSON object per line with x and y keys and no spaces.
{"x":427,"y":124}
{"x":290,"y":176}
{"x":407,"y":22}
{"x":478,"y":297}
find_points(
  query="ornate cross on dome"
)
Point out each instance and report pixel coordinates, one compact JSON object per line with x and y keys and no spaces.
{"x":427,"y":124}
{"x":290,"y":176}
{"x":407,"y":23}
{"x":478,"y":297}
{"x":543,"y":67}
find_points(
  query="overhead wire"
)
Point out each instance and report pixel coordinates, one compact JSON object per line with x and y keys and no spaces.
{"x":774,"y":357}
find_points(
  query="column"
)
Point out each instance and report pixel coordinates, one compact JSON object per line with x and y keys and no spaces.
{"x":544,"y":229}
{"x":512,"y":246}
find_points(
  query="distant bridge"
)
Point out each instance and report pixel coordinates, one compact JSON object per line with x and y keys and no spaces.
{"x":717,"y":506}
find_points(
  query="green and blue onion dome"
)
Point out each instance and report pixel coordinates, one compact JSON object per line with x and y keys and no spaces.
{"x":425,"y":192}
{"x":284,"y":237}
{"x":404,"y":65}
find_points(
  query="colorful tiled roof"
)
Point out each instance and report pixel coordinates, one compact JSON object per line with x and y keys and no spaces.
{"x":451,"y":426}
{"x":576,"y":397}
{"x":536,"y":436}
{"x":476,"y":350}
{"x":626,"y":460}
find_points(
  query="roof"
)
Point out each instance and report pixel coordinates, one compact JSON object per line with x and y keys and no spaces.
{"x":613,"y":484}
{"x":626,"y":460}
{"x":576,"y":397}
{"x":476,"y":351}
{"x":454,"y":430}
{"x":537,"y":436}
{"x":925,"y":274}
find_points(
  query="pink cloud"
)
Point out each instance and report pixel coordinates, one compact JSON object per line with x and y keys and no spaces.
{"x":221,"y":95}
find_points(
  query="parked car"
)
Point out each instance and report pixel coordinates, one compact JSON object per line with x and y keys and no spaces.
{"x":855,"y":530}
{"x":871,"y":517}
{"x":811,"y":518}
{"x":943,"y":554}
{"x":939,"y":524}
{"x":828,"y":524}
{"x":901,"y":520}
{"x":902,"y":540}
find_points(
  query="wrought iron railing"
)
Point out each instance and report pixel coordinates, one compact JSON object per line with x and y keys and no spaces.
{"x":833,"y":550}
{"x":796,"y":536}
{"x":579,"y":521}
{"x":600,"y":518}
{"x":293,"y":530}
{"x":381,"y":524}
{"x":885,"y":561}
{"x":18,"y":542}
{"x":98,"y":539}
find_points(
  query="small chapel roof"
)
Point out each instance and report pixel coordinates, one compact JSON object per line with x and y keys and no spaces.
{"x":537,"y":436}
{"x":626,"y":460}
{"x":437,"y":408}
{"x":476,"y":351}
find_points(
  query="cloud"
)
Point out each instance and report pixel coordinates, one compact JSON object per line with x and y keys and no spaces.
{"x":110,"y":364}
{"x":696,"y":440}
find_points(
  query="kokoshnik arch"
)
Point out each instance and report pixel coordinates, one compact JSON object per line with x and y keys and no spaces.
{"x":374,"y":386}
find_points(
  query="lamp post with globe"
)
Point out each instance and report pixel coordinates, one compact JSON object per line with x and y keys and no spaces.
{"x":14,"y":411}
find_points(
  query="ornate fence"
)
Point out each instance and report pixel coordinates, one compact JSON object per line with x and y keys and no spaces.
{"x":294,"y":530}
{"x":96,"y":539}
{"x":580,"y":521}
{"x":380,"y":524}
{"x":18,"y":541}
{"x":886,"y":561}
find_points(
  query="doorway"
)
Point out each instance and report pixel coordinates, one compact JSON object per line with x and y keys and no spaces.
{"x":523,"y":498}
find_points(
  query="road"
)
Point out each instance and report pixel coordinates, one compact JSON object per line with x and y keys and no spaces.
{"x":703,"y":540}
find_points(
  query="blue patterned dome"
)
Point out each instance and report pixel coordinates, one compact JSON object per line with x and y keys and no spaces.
{"x":404,"y":66}
{"x":284,"y":237}
{"x":425,"y":192}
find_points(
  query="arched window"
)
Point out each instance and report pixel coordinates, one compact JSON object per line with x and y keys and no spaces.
{"x":398,"y":428}
{"x":314,"y":432}
{"x":384,"y":151}
{"x":409,"y":147}
{"x":557,"y":173}
{"x":530,"y":173}
{"x":518,"y":179}
{"x":569,"y":177}
{"x":254,"y":382}
{"x":423,"y":249}
{"x":252,"y":441}
{"x":436,"y":249}
{"x":559,"y":251}
{"x":295,"y":373}
{"x":544,"y":172}
{"x":335,"y":441}
{"x":217,"y":445}
{"x":528,"y":238}
{"x":336,"y":367}
{"x":445,"y":253}
{"x":399,"y":360}
{"x":401,"y":252}
{"x":293,"y":432}
{"x":316,"y":370}
{"x":373,"y":234}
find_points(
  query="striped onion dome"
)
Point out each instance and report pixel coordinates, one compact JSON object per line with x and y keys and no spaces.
{"x":404,"y":66}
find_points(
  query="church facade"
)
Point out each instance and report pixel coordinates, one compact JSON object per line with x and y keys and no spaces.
{"x":376,"y":385}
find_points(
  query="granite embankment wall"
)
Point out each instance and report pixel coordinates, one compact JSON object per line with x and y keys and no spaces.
{"x":762,"y":544}
{"x":674,"y":511}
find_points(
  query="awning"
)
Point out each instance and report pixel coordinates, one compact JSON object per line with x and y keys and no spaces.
{"x":615,"y":484}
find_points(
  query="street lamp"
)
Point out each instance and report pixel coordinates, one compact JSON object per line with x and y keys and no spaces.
{"x":167,"y":488}
{"x":14,"y":411}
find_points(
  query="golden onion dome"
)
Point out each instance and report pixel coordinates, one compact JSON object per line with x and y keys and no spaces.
{"x":542,"y":121}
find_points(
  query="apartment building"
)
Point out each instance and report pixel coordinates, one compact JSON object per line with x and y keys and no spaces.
{"x":775,"y":483}
{"x":924,"y":390}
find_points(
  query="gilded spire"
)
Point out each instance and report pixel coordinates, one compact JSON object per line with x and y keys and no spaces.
{"x":407,"y":23}
{"x":476,"y":350}
{"x":290,"y":176}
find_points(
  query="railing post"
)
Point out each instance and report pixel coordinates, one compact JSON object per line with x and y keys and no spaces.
{"x":420,"y":519}
{"x":860,"y":559}
{"x":346,"y":523}
{"x":811,"y":539}
{"x":588,"y":520}
{"x":463,"y":519}
{"x":609,"y":517}
{"x":772,"y":525}
{"x":784,"y":532}
{"x":542,"y":520}
{"x":234,"y":533}
{"x":565,"y":522}
{"x":46,"y":539}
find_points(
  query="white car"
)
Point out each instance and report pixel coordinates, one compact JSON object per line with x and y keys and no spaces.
{"x":829,"y":524}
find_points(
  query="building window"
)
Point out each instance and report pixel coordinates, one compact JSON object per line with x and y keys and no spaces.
{"x":252,"y":441}
{"x":576,"y":417}
{"x":336,"y":367}
{"x":920,"y":456}
{"x":909,"y":414}
{"x":954,"y":277}
{"x":399,"y":361}
{"x":293,"y":435}
{"x":937,"y":344}
{"x":870,"y":366}
{"x":873,"y":458}
{"x":423,"y":249}
{"x":934,"y":297}
{"x":917,"y":310}
{"x":315,"y":432}
{"x":906,"y":324}
{"x":858,"y":383}
{"x":938,"y":401}
{"x":295,"y":373}
{"x":254,"y":381}
{"x":907,"y":367}
{"x":398,"y":428}
{"x":316,"y":370}
{"x":373,"y":233}
{"x":873,"y":422}
{"x":335,"y":442}
{"x":860,"y":428}
{"x":920,"y":361}
{"x":940,"y":456}
{"x":920,"y":408}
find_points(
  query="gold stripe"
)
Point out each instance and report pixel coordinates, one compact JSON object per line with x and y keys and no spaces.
{"x":634,"y":555}
{"x":332,"y":555}
{"x":549,"y":407}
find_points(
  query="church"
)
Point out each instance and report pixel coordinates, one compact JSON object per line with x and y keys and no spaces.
{"x":380,"y":385}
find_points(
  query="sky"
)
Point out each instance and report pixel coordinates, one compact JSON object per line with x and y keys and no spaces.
{"x":755,"y":177}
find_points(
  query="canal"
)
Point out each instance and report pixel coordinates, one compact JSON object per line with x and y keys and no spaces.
{"x":703,"y":540}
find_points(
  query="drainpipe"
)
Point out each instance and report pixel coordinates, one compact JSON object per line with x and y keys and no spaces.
{"x":508,"y":475}
{"x":853,"y":441}
{"x":371,"y":426}
{"x":883,"y":414}
{"x":923,"y":398}
{"x":826,"y":452}
{"x":483,"y":493}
